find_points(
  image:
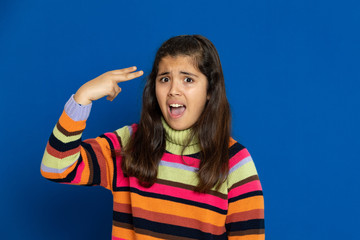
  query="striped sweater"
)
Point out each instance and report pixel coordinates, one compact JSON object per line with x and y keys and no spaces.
{"x":169,"y":209}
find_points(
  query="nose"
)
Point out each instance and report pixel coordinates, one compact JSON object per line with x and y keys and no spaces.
{"x":175,"y":89}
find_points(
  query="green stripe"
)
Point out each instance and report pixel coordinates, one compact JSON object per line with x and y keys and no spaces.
{"x":63,"y":138}
{"x":177,"y":149}
{"x":59,"y":163}
{"x":124,"y":134}
{"x":245,"y":171}
{"x":184,"y":176}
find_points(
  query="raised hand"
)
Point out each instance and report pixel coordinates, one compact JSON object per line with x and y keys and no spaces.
{"x":105,"y":85}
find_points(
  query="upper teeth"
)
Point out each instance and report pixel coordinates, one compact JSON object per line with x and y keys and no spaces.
{"x":176,"y":105}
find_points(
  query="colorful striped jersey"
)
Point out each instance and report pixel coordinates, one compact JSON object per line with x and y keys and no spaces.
{"x":169,"y":209}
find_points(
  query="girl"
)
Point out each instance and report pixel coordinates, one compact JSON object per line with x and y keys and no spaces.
{"x":177,"y":174}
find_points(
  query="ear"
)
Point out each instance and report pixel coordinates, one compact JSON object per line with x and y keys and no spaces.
{"x":208,"y":97}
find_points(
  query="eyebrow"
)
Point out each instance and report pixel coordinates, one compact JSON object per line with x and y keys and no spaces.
{"x":182,"y":72}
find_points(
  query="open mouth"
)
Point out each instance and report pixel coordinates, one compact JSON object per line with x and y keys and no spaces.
{"x":176,"y":110}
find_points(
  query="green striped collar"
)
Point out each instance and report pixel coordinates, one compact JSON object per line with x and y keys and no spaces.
{"x":176,"y":140}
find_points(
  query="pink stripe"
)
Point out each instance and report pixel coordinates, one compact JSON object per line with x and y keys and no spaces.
{"x":181,"y":193}
{"x":248,"y":187}
{"x":116,"y":238}
{"x":134,"y":127}
{"x":79,"y":171}
{"x":238,"y":157}
{"x":113,"y":139}
{"x":118,"y":159}
{"x":193,"y":162}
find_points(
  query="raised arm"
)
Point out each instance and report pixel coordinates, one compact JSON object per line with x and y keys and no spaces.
{"x":68,"y":159}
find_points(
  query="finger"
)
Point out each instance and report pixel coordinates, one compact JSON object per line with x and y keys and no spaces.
{"x":124,"y":70}
{"x":128,"y":76}
{"x":118,"y":89}
{"x":117,"y":93}
{"x":111,"y":95}
{"x":111,"y":98}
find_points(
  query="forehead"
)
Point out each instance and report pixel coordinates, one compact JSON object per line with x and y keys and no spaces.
{"x":180,"y":62}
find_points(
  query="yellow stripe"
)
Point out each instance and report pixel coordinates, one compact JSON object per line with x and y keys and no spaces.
{"x":179,"y":175}
{"x":63,"y":138}
{"x":59,"y":163}
{"x":245,"y":171}
{"x":124,"y":134}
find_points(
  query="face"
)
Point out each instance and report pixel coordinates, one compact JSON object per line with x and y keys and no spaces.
{"x":181,"y":91}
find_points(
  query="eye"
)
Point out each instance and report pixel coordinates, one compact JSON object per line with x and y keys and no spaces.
{"x":164,"y":79}
{"x":188,"y":80}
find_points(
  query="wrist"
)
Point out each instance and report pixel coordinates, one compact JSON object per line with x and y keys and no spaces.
{"x":76,"y":111}
{"x":80,"y":99}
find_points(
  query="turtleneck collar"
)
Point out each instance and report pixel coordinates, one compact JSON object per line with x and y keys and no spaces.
{"x":176,"y":140}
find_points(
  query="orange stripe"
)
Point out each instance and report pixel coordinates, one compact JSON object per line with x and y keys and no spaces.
{"x":50,"y":175}
{"x":168,"y":219}
{"x":231,"y":142}
{"x":108,"y":162}
{"x":248,"y":237}
{"x":70,"y":125}
{"x":122,"y":197}
{"x":177,"y":209}
{"x":247,"y":204}
{"x":123,"y":233}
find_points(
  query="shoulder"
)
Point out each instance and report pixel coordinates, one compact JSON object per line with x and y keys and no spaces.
{"x":238,"y":154}
{"x":127,"y":130}
{"x":235,"y":148}
{"x":124,"y":133}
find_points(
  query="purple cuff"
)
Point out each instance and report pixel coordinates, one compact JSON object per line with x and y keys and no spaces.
{"x":76,"y":111}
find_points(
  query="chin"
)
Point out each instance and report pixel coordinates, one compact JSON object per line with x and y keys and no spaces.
{"x":177,"y":126}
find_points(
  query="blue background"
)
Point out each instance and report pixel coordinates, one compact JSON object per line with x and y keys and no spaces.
{"x":292,"y":78}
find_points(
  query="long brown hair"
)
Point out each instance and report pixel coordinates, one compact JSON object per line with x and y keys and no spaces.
{"x":147,"y":145}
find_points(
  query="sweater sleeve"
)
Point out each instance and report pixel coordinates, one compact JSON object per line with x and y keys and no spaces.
{"x":68,"y":159}
{"x":245,"y":217}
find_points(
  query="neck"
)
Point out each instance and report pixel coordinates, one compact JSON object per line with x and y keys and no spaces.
{"x":178,"y":140}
